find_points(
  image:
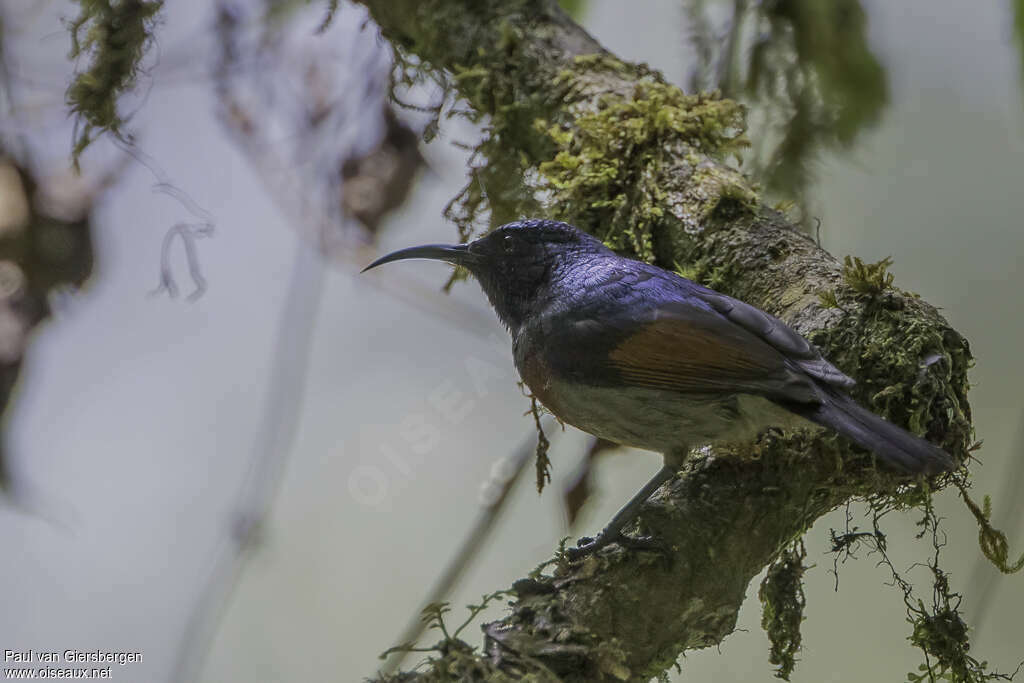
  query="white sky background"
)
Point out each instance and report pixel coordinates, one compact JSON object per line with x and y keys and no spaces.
{"x":137,"y":414}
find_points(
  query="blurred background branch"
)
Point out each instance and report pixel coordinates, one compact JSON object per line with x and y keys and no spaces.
{"x":807,"y":73}
{"x":45,"y":249}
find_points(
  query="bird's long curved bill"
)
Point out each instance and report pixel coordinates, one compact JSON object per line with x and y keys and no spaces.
{"x":452,"y":253}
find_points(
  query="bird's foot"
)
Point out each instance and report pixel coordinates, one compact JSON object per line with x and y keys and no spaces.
{"x":588,"y":546}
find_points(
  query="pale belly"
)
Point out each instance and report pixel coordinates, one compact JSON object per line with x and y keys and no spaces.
{"x":662,"y":421}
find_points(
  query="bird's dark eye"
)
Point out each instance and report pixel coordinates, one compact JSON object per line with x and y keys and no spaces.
{"x":508,"y":243}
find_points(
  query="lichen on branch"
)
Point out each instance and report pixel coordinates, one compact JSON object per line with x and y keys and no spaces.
{"x":606,"y":171}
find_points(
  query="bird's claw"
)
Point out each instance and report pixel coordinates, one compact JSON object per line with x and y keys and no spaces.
{"x":588,"y":546}
{"x":645,"y":543}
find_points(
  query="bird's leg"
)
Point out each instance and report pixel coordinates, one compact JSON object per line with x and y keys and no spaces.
{"x":612,"y":533}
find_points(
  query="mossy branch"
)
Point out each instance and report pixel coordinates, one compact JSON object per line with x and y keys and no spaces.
{"x":613,"y":148}
{"x":112,"y":35}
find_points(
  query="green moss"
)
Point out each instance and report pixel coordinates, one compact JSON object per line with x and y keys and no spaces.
{"x":828,"y":299}
{"x":609,"y":171}
{"x":943,"y":636}
{"x":782,"y":599}
{"x":937,"y":629}
{"x":866,"y":280}
{"x":113,"y":35}
{"x":496,"y":186}
{"x":869,"y":279}
{"x":689,"y":271}
{"x":993,"y":542}
{"x":912,"y":373}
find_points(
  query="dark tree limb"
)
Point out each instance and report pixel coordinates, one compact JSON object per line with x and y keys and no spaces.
{"x":632,"y":159}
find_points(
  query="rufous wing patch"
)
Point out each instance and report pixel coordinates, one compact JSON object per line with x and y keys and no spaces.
{"x":687,"y":356}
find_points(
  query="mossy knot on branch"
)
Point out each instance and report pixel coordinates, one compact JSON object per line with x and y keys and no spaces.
{"x":618,"y":162}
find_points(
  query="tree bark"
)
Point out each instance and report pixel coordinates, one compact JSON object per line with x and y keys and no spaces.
{"x":632,"y":159}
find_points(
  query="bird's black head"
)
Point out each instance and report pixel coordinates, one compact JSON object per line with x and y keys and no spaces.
{"x":520,"y":265}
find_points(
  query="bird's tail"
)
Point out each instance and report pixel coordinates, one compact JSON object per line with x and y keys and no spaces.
{"x":891,"y":444}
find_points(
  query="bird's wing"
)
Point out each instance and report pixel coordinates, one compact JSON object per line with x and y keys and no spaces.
{"x":778,"y":335}
{"x":690,"y":349}
{"x":685,"y":345}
